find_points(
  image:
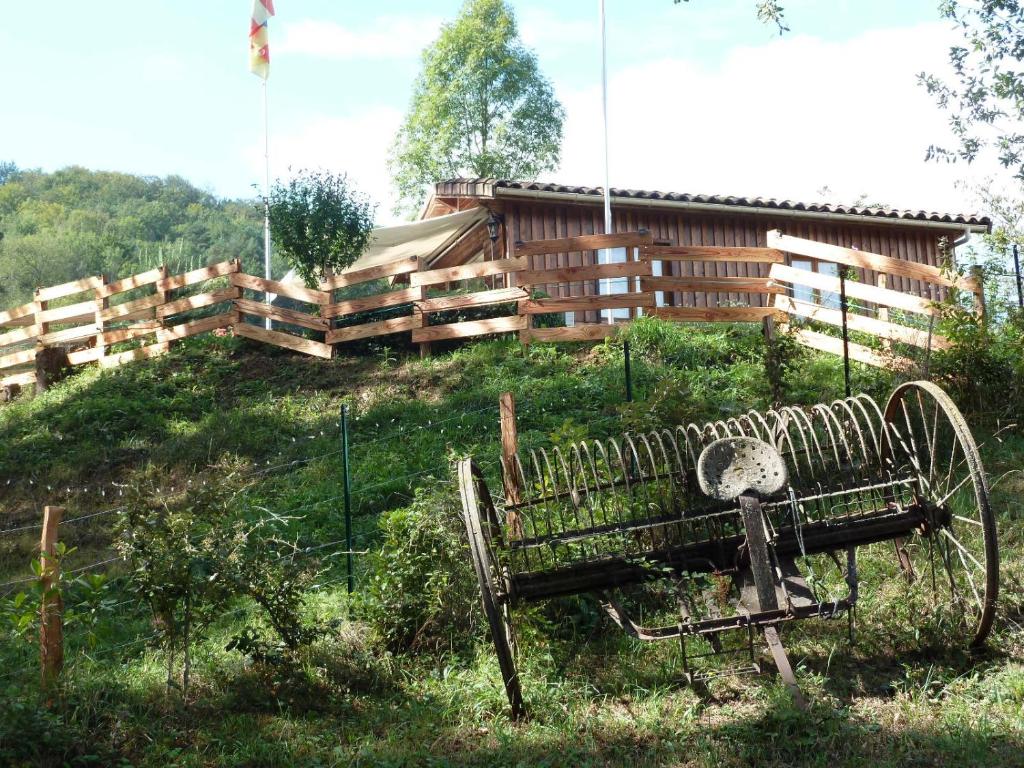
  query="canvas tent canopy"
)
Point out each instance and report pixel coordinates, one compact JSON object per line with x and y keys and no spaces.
{"x":428,"y":239}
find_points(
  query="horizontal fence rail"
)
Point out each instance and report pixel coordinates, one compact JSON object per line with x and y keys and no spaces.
{"x":624,"y":275}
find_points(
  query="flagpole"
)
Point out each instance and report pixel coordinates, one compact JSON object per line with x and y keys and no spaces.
{"x":266,"y":197}
{"x":604,"y":112}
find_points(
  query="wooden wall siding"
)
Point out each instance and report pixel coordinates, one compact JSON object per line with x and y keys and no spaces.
{"x":528,"y":220}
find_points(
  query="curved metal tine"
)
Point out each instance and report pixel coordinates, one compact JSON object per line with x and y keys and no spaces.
{"x":524,"y":514}
{"x":554,"y":487}
{"x":609,"y":498}
{"x":780,"y":437}
{"x":655,"y":476}
{"x":734,"y":427}
{"x":572,"y":494}
{"x":639,"y":480}
{"x":694,"y":437}
{"x":678,"y":469}
{"x":576,"y":460}
{"x":672,"y":491}
{"x":858,"y":401}
{"x":854,"y":425}
{"x":815,"y":457}
{"x":545,"y":497}
{"x":822,"y":413}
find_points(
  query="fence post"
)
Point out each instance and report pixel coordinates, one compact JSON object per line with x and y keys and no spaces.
{"x":1016,"y":272}
{"x":51,"y":632}
{"x":883,"y":311}
{"x":979,"y":295}
{"x":101,"y":303}
{"x":424,"y":317}
{"x":844,"y":307}
{"x":348,"y":496}
{"x":509,"y":446}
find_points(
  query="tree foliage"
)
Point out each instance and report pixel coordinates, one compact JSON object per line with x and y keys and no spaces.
{"x":768,"y":11}
{"x":986,"y":98}
{"x":481,"y":107}
{"x":75,"y":222}
{"x":318,"y":220}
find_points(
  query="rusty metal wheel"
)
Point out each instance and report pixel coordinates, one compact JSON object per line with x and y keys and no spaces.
{"x":483,"y":528}
{"x":954,"y":556}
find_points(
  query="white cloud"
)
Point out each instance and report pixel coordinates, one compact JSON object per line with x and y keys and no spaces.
{"x":779,"y":120}
{"x":357,"y":145}
{"x":387,"y":37}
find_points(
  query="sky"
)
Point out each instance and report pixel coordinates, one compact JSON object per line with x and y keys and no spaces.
{"x":702,"y":97}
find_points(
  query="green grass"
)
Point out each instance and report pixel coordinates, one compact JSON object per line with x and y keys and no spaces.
{"x":596,"y":697}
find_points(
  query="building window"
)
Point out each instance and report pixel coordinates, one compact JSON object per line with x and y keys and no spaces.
{"x":612,"y":286}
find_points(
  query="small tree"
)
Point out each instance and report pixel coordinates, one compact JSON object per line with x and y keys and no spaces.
{"x":319,"y":222}
{"x":481,"y":107}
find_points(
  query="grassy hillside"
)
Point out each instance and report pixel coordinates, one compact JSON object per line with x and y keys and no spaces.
{"x":407,"y":676}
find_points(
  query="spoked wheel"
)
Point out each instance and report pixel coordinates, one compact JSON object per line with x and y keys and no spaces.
{"x":954,"y":557}
{"x":483,"y":528}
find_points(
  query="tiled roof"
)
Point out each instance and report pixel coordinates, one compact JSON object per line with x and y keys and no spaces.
{"x":492,"y":187}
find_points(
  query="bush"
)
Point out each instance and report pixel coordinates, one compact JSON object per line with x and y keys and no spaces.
{"x":422,"y":593}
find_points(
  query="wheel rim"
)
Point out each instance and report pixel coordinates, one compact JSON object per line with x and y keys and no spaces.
{"x":953,"y":559}
{"x":482,"y":528}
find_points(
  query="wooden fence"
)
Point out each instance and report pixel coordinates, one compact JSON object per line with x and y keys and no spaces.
{"x":87,"y":317}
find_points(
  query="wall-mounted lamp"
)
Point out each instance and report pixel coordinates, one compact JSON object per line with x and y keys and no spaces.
{"x":493,"y":221}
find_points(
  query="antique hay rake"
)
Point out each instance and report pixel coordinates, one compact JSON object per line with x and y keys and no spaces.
{"x":792,"y":484}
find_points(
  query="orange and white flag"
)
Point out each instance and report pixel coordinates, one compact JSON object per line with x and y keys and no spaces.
{"x":259,"y":45}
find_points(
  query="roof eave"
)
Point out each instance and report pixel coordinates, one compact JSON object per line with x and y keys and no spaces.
{"x":643,"y":202}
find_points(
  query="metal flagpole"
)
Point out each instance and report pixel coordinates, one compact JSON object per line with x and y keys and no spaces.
{"x":608,"y":226}
{"x":266,"y":198}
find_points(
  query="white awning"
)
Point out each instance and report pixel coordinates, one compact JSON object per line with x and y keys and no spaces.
{"x":427,"y":239}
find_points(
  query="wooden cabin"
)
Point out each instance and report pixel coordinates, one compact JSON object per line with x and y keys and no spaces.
{"x":524,"y":211}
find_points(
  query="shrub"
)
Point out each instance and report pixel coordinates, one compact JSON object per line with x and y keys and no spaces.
{"x":422,"y":593}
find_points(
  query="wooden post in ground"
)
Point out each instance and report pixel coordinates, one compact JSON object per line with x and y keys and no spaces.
{"x":51,"y":630}
{"x":883,"y":311}
{"x":101,"y":303}
{"x":771,"y":359}
{"x":328,"y":299}
{"x":509,"y":463}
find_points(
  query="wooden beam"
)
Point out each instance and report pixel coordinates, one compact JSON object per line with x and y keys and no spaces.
{"x":864,"y":260}
{"x":281,"y":315}
{"x":195,"y":327}
{"x":18,"y":358}
{"x":66,"y":314}
{"x":297,"y":292}
{"x":478,"y":299}
{"x":19,"y":335}
{"x":128,"y":283}
{"x":141,"y":353}
{"x":19,"y":316}
{"x":392,"y":268}
{"x":586,"y":303}
{"x":68,"y":289}
{"x":469,"y":328}
{"x":855,"y":290}
{"x":199,"y":275}
{"x":82,"y":356}
{"x":132,"y":309}
{"x":130,"y":333}
{"x":369,"y":303}
{"x":286,"y":340}
{"x":711,"y":253}
{"x":18,"y":379}
{"x":195,"y":302}
{"x":585,"y":272}
{"x":468,"y":271}
{"x":367,"y":330}
{"x":715,"y":314}
{"x":68,"y":335}
{"x":876,"y":327}
{"x":712,"y":284}
{"x":858,"y":352}
{"x":463,"y":249}
{"x":583,"y":243}
{"x":589,"y":332}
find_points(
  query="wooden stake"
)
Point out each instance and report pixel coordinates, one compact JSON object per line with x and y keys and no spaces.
{"x":979,"y":296}
{"x":51,"y":630}
{"x":424,"y":316}
{"x":509,"y":446}
{"x":101,"y":303}
{"x":883,"y":311}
